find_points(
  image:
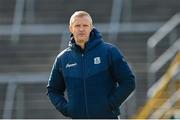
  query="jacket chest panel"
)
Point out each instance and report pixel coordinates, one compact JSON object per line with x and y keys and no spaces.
{"x":84,"y":65}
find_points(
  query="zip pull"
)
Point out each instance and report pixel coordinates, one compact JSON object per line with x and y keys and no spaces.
{"x":82,"y":55}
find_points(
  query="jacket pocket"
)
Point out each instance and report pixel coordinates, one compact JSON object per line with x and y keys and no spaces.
{"x":114,"y":111}
{"x":68,"y":110}
{"x":108,"y":105}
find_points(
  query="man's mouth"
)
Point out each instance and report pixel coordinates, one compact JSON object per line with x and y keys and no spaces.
{"x":81,"y":34}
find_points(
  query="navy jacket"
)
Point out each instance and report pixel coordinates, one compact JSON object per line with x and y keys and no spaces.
{"x":97,"y":79}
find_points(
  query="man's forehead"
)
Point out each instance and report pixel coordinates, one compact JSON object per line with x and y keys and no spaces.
{"x":81,"y":19}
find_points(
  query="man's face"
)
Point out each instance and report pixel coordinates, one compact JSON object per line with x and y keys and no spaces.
{"x":81,"y":28}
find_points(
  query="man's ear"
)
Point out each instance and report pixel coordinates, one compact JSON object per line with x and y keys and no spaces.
{"x":70,"y":28}
{"x":92,"y":27}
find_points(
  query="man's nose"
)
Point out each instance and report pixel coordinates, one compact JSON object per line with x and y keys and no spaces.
{"x":81,"y":28}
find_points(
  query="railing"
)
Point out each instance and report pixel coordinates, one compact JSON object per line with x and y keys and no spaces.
{"x":155,"y":66}
{"x":157,"y":90}
{"x":13,"y":80}
{"x":115,"y":18}
{"x":166,"y":106}
{"x":173,"y":113}
{"x":10,"y":94}
{"x":165,"y":57}
{"x":17,"y":20}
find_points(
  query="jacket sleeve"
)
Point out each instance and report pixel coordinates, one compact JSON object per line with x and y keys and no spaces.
{"x":56,"y":88}
{"x":123,"y":75}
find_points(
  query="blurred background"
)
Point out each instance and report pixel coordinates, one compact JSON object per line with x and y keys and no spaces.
{"x":33,"y":32}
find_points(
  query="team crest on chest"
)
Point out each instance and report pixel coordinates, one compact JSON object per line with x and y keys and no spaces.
{"x":97,"y":60}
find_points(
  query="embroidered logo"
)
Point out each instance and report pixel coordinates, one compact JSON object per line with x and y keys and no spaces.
{"x":97,"y":60}
{"x":70,"y":65}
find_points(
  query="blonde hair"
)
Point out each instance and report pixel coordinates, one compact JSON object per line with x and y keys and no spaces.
{"x":79,"y":14}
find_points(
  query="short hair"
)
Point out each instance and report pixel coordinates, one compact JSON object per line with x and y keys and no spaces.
{"x":79,"y":14}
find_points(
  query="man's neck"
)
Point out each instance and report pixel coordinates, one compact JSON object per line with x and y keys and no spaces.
{"x":82,"y":45}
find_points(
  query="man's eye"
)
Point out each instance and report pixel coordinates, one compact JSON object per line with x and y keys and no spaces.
{"x":77,"y":25}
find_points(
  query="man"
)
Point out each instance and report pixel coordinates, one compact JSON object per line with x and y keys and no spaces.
{"x":96,"y":75}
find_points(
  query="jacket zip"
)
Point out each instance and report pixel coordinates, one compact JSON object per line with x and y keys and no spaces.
{"x":85,"y":92}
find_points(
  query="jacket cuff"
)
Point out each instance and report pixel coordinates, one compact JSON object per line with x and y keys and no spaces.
{"x":115,"y":109}
{"x":111,"y":104}
{"x":62,"y":107}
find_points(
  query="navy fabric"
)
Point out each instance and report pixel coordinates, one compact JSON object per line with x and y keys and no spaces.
{"x":97,"y":79}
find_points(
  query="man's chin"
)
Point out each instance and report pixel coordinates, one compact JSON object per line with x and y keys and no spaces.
{"x":82,"y":41}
